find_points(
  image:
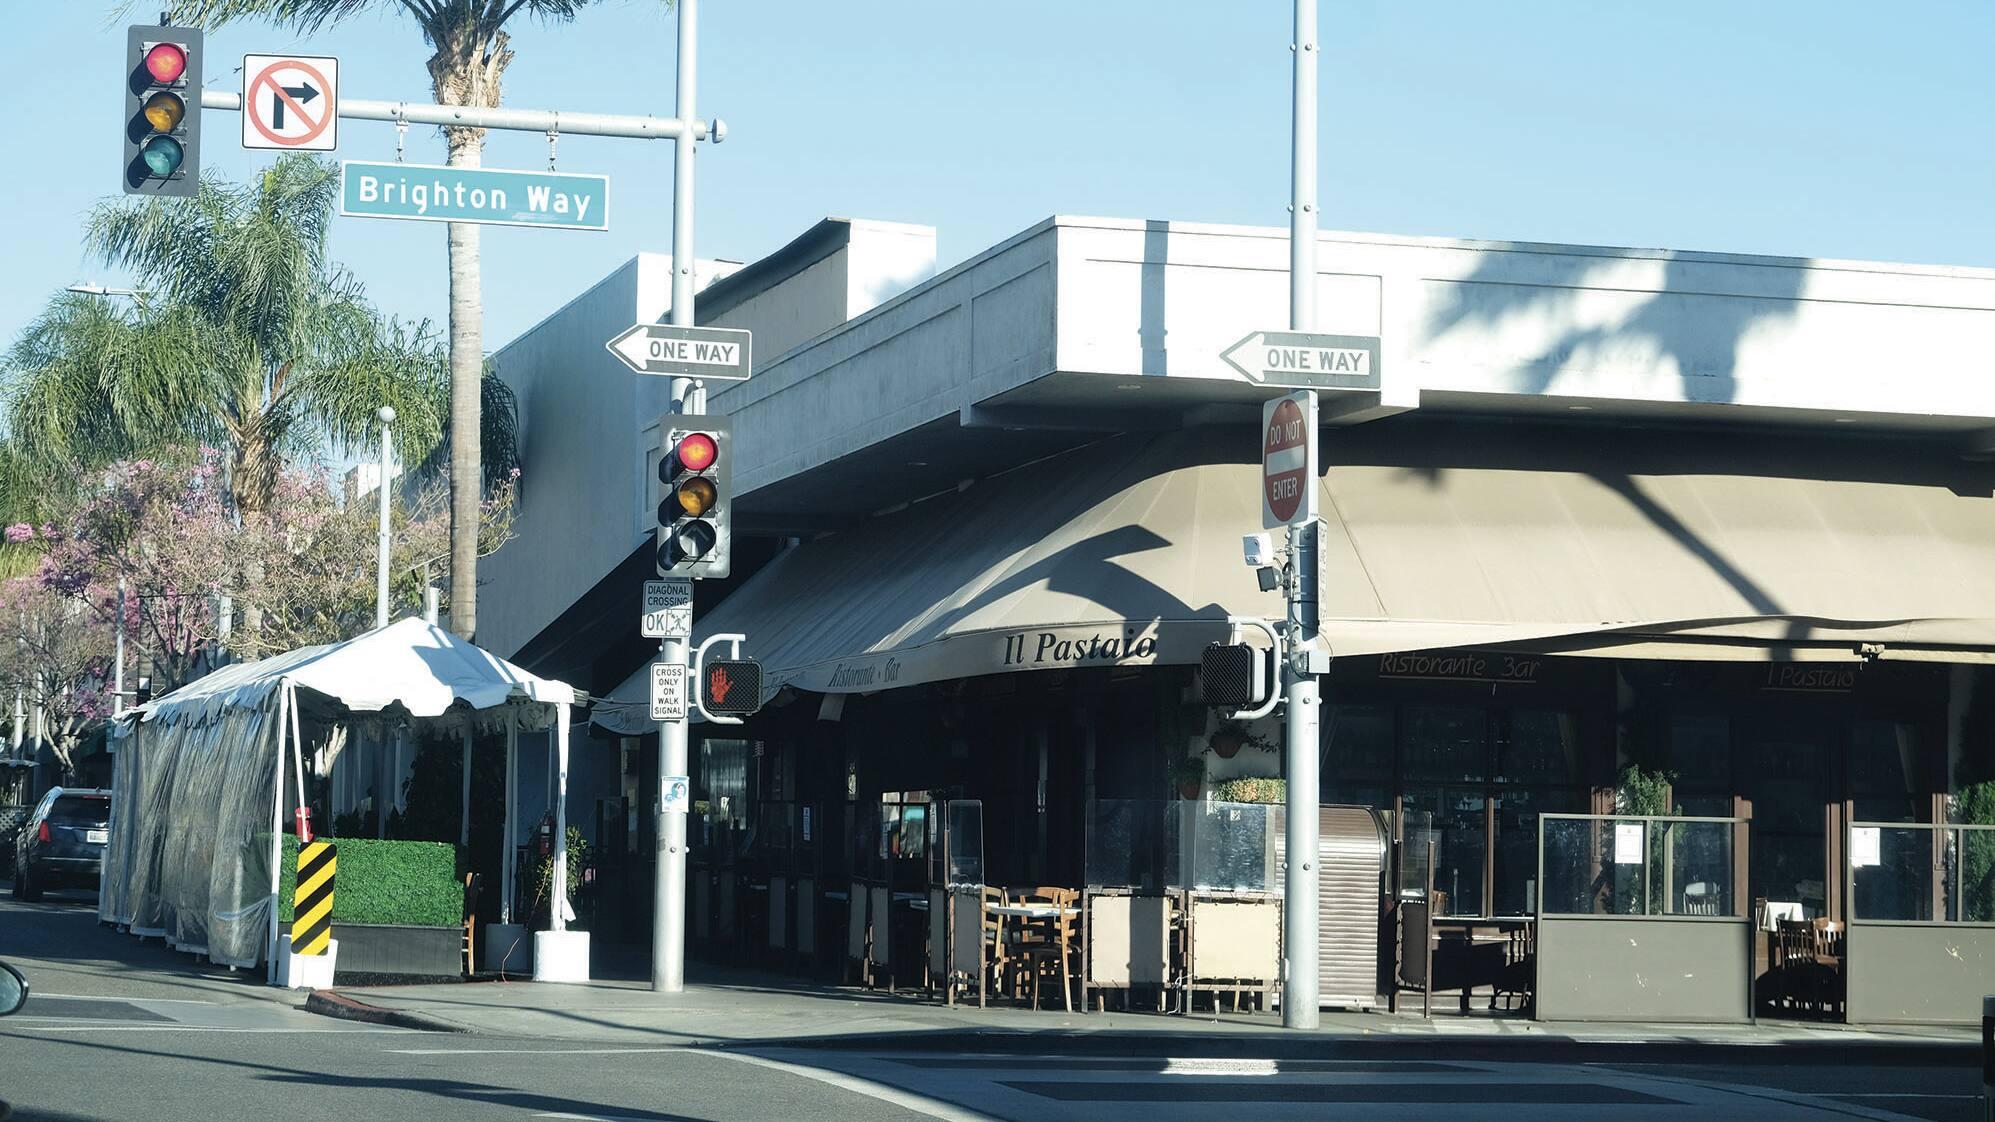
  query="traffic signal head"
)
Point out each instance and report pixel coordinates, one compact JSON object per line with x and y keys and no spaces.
{"x":1235,"y":675}
{"x":732,"y":687}
{"x":162,"y":110}
{"x":693,"y":514}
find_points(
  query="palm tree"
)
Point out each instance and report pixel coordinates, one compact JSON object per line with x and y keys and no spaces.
{"x":470,"y":53}
{"x":246,"y":338}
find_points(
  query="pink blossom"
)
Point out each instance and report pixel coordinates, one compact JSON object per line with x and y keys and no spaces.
{"x":20,"y":532}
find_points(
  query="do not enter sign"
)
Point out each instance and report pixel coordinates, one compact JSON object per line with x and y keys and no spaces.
{"x":1288,"y":460}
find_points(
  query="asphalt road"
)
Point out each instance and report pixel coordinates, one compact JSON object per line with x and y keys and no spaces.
{"x":123,"y":1030}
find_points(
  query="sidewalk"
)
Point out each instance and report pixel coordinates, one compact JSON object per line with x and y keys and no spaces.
{"x":727,"y":1008}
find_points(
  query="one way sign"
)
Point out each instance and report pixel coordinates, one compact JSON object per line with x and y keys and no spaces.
{"x":721,"y":353}
{"x":1307,"y":361}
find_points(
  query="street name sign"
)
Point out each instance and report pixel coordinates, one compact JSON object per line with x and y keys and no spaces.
{"x":1288,"y":460}
{"x":1305,"y":360}
{"x":668,"y":691}
{"x":668,"y":608}
{"x":290,"y":102}
{"x":720,"y":353}
{"x":487,"y":196}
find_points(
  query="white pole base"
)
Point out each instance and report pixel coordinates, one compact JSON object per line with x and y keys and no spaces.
{"x":561,"y":956}
{"x":307,"y":971}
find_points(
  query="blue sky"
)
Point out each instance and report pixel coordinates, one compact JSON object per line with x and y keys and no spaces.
{"x":1799,"y":128}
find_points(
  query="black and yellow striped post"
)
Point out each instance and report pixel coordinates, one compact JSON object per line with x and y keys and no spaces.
{"x":311,"y":922}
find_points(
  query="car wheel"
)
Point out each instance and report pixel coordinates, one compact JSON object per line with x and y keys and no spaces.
{"x":25,"y":886}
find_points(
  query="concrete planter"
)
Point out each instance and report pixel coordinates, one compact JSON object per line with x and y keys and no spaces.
{"x":381,"y":948}
{"x":508,"y":948}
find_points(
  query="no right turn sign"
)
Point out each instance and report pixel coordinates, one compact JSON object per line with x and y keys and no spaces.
{"x":290,"y":102}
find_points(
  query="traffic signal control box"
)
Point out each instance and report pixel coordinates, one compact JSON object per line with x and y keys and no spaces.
{"x":162,"y":94}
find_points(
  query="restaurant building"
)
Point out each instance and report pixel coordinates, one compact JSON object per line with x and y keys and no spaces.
{"x":1622,"y":532}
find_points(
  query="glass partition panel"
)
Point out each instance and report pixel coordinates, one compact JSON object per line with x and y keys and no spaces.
{"x":965,"y":841}
{"x":1638,"y":867}
{"x":1893,"y":869}
{"x":1415,"y":852}
{"x":1231,"y":845}
{"x":1133,"y":843}
{"x":1972,"y":895}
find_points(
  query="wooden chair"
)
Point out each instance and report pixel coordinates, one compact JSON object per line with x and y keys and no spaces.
{"x":1794,"y":950}
{"x":471,"y":882}
{"x":992,"y":975}
{"x":1045,"y":946}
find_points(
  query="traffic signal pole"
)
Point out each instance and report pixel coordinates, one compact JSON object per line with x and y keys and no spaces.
{"x":1299,"y":684}
{"x":668,"y":921}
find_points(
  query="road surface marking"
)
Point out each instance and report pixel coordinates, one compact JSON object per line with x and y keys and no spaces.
{"x":531,"y":1053}
{"x":920,"y":1104}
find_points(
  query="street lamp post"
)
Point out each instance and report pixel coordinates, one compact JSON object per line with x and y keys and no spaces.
{"x":387,"y":415}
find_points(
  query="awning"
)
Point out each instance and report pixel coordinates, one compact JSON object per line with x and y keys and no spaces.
{"x":417,"y":665}
{"x":1626,"y":544}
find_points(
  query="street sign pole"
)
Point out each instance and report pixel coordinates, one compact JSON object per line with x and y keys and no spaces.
{"x":668,"y":921}
{"x":1299,"y":935}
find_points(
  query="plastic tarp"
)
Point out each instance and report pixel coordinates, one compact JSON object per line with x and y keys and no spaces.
{"x":197,"y":772}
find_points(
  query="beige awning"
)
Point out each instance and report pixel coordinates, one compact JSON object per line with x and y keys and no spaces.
{"x":1127,"y":552}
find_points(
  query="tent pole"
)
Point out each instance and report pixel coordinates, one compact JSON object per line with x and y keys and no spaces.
{"x":297,"y":754}
{"x":558,"y":888}
{"x":277,"y":834}
{"x":464,"y":801}
{"x":508,"y":831}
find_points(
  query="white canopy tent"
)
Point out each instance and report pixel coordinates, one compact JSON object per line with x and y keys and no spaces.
{"x":200,"y":775}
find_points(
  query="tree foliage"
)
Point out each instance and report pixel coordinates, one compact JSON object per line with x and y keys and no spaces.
{"x":247,"y":339}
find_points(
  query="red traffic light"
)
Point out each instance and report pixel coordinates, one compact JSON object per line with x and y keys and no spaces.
{"x":166,"y":62}
{"x":697,"y":451}
{"x":731,"y":686}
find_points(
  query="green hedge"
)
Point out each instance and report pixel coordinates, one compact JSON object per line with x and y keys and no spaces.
{"x":1251,"y":789}
{"x":406,"y":882}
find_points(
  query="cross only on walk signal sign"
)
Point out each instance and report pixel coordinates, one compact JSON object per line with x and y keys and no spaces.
{"x":311,"y":921}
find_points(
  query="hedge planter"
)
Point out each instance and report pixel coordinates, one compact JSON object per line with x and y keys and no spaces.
{"x":404,"y":951}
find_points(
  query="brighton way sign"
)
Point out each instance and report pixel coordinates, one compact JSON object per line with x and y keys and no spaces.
{"x":1306,"y":360}
{"x":720,"y":353}
{"x":487,"y":196}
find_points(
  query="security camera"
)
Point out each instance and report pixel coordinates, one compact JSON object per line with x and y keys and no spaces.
{"x":1259,"y":550}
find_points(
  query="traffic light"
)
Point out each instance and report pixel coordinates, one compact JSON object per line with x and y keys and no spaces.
{"x":693,"y":515}
{"x":162,"y":110}
{"x":1235,"y":675}
{"x":731,"y":686}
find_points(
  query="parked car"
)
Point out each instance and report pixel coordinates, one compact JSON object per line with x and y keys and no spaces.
{"x":62,"y":843}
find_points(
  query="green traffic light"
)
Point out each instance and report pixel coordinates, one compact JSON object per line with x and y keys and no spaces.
{"x":162,"y":155}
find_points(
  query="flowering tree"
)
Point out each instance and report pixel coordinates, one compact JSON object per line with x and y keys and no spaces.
{"x":299,"y":572}
{"x":56,"y":651}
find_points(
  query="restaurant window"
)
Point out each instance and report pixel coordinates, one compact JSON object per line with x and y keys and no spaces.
{"x":1449,"y":744}
{"x":1357,"y":754}
{"x":1700,"y":755}
{"x":1885,"y":772}
{"x":1538,"y":770}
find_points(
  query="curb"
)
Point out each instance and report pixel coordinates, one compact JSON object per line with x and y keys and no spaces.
{"x":332,"y":1003}
{"x":1907,"y":1052}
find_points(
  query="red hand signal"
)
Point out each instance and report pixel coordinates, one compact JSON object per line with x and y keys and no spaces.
{"x":719,"y":685}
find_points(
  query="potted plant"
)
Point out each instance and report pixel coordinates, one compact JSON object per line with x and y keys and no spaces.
{"x":1188,"y":776}
{"x":1231,"y":736}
